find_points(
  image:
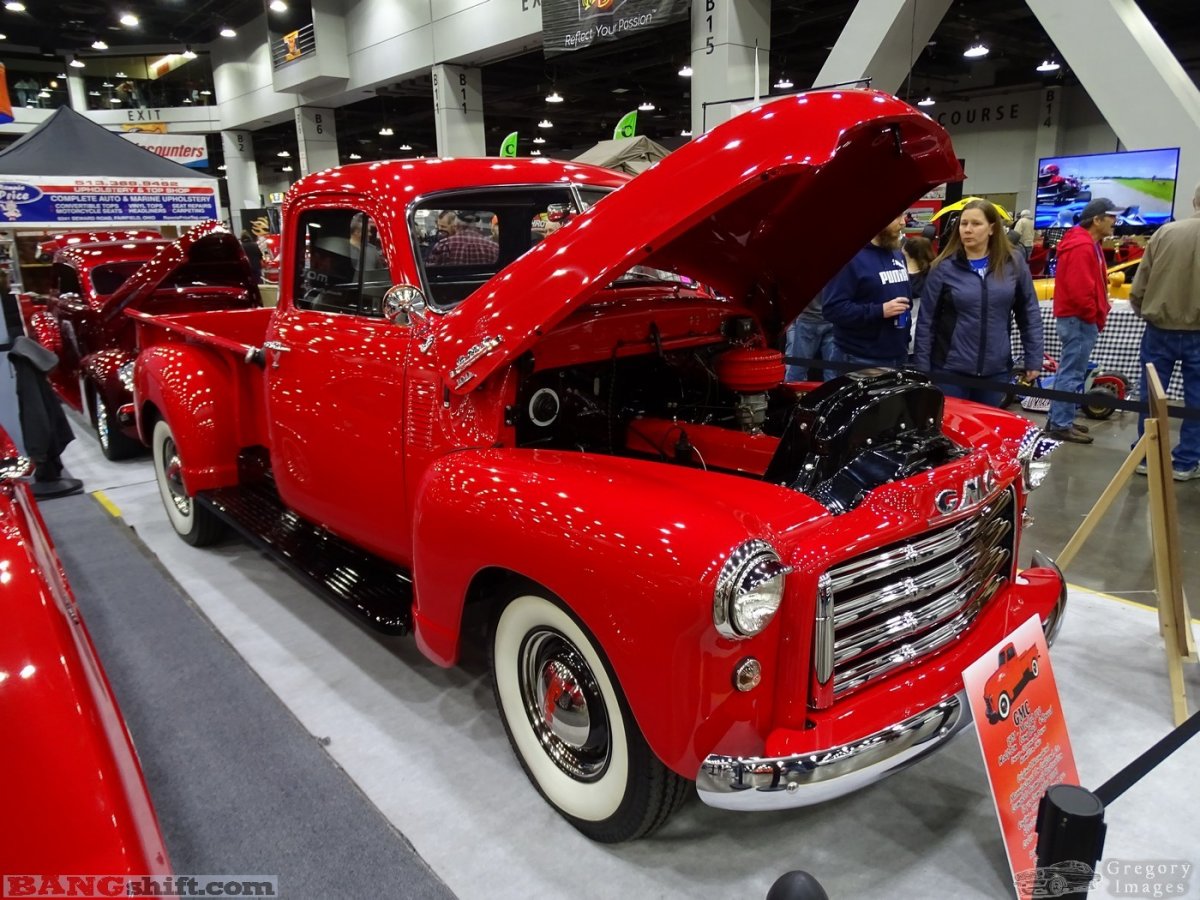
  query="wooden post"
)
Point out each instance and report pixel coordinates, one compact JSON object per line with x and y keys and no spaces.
{"x":1174,"y":620}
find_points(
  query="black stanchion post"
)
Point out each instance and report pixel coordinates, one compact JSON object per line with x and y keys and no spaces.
{"x":1070,"y":830}
{"x":796,"y":885}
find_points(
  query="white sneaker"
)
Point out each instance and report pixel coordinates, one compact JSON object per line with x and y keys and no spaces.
{"x":1142,"y":468}
{"x":1187,"y":474}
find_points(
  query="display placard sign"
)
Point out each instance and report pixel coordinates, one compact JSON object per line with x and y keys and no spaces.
{"x":102,"y":201}
{"x":1023,"y":735}
{"x":569,"y":25}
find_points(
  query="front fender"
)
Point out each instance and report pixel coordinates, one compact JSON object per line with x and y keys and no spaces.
{"x":634,"y":549}
{"x":194,"y":389}
{"x":43,"y":328}
{"x":101,"y":370}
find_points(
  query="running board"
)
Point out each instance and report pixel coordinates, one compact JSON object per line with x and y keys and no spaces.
{"x":371,"y":589}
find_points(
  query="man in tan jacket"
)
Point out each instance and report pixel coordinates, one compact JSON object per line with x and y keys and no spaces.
{"x":1166,"y":293}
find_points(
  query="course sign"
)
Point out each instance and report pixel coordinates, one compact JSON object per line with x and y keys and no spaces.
{"x":98,"y":201}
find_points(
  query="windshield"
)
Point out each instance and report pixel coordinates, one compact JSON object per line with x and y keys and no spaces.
{"x":109,"y":277}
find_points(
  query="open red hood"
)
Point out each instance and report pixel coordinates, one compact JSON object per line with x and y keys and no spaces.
{"x":208,"y":244}
{"x":765,"y":208}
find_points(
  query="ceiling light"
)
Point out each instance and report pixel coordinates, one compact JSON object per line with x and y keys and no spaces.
{"x":93,"y":93}
{"x":977,"y":50}
{"x":76,"y":62}
{"x":385,"y":131}
{"x":3,"y":37}
{"x":129,"y":20}
{"x":554,"y":97}
{"x":620,"y":90}
{"x":535,"y":152}
{"x":685,"y":133}
{"x":221,"y":167}
{"x":188,"y":52}
{"x":107,"y":84}
{"x":98,"y":44}
{"x":354,"y":156}
{"x":278,"y":6}
{"x":121,"y":75}
{"x":114,"y":99}
{"x":13,"y":6}
{"x":187,"y":100}
{"x":228,"y":32}
{"x":1049,"y":65}
{"x":646,"y":106}
{"x":43,"y":93}
{"x":206,"y":93}
{"x":928,"y":101}
{"x":405,"y":147}
{"x":539,"y":140}
{"x":784,"y":83}
{"x":545,"y":123}
{"x":686,"y":71}
{"x":286,"y":169}
{"x":283,"y":153}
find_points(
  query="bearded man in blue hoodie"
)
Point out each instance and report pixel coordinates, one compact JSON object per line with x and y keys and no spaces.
{"x":868,"y":303}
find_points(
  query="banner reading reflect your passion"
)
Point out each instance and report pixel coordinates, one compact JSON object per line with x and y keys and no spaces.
{"x":569,"y":25}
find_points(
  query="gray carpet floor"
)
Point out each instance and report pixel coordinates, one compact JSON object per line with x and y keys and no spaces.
{"x":239,"y":785}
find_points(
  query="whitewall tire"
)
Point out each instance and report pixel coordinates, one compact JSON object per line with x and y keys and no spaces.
{"x":195,"y":524}
{"x":570,"y":727}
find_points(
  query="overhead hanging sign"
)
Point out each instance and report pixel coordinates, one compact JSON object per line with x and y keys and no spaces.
{"x":190,"y":150}
{"x":100,"y":201}
{"x":569,"y":25}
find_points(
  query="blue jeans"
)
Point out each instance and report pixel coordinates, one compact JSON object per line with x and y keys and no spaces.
{"x":1164,"y":349}
{"x":867,"y":362}
{"x":807,"y":339}
{"x":986,"y":396}
{"x":1078,"y":338}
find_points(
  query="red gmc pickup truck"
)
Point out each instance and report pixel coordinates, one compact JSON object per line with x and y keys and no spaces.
{"x":574,"y":444}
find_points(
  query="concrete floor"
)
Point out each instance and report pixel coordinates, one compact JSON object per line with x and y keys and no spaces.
{"x":1117,"y":559}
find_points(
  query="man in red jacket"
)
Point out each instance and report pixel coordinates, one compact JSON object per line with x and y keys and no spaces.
{"x":1080,"y":310}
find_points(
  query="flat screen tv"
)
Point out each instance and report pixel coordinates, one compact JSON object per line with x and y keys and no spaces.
{"x":1141,"y":183}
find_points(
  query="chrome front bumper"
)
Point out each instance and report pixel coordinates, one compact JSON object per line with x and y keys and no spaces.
{"x":764,"y":783}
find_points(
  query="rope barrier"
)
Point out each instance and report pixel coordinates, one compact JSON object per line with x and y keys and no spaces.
{"x":1099,"y":399}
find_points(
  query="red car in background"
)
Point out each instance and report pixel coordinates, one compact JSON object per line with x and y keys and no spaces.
{"x":1006,"y":683}
{"x":50,"y":246}
{"x":75,"y":799}
{"x":271,"y":246}
{"x":82,"y":318}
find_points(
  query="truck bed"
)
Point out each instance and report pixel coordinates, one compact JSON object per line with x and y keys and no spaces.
{"x":237,"y":330}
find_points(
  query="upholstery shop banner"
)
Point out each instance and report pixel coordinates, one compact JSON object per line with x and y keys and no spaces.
{"x":100,"y":201}
{"x":569,"y":25}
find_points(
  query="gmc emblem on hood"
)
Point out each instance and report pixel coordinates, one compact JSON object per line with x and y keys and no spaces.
{"x":974,"y":491}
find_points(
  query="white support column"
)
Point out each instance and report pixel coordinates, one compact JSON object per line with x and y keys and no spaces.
{"x":241,"y":174}
{"x":724,"y":33}
{"x":317,"y":138}
{"x":1148,"y":99}
{"x":76,"y":91}
{"x":458,"y":110}
{"x":882,"y":39}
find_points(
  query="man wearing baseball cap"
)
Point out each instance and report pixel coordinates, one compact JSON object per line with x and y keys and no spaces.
{"x":1080,"y":310}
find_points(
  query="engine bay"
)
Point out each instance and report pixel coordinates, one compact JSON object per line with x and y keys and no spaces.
{"x":723,"y":406}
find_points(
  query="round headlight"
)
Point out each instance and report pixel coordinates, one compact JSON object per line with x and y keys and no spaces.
{"x":1033,"y":455}
{"x":749,"y":590}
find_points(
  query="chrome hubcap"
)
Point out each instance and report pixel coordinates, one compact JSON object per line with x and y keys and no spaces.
{"x":564,"y":705}
{"x":173,"y":472}
{"x":102,"y":423}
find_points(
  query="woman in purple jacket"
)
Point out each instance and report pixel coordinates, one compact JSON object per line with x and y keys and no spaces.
{"x":974,"y":289}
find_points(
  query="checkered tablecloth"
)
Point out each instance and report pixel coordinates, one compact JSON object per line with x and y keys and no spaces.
{"x":1117,"y":350}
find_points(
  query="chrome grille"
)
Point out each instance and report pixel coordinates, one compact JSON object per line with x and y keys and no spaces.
{"x":884,"y":609}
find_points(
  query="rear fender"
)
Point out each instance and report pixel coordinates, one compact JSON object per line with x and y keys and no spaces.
{"x":43,"y":328}
{"x":193,"y":388}
{"x":633,"y":548}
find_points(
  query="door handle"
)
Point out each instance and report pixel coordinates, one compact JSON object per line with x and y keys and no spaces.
{"x":277,"y":346}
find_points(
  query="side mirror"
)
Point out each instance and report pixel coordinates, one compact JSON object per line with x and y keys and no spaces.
{"x":404,"y":304}
{"x":15,"y":467}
